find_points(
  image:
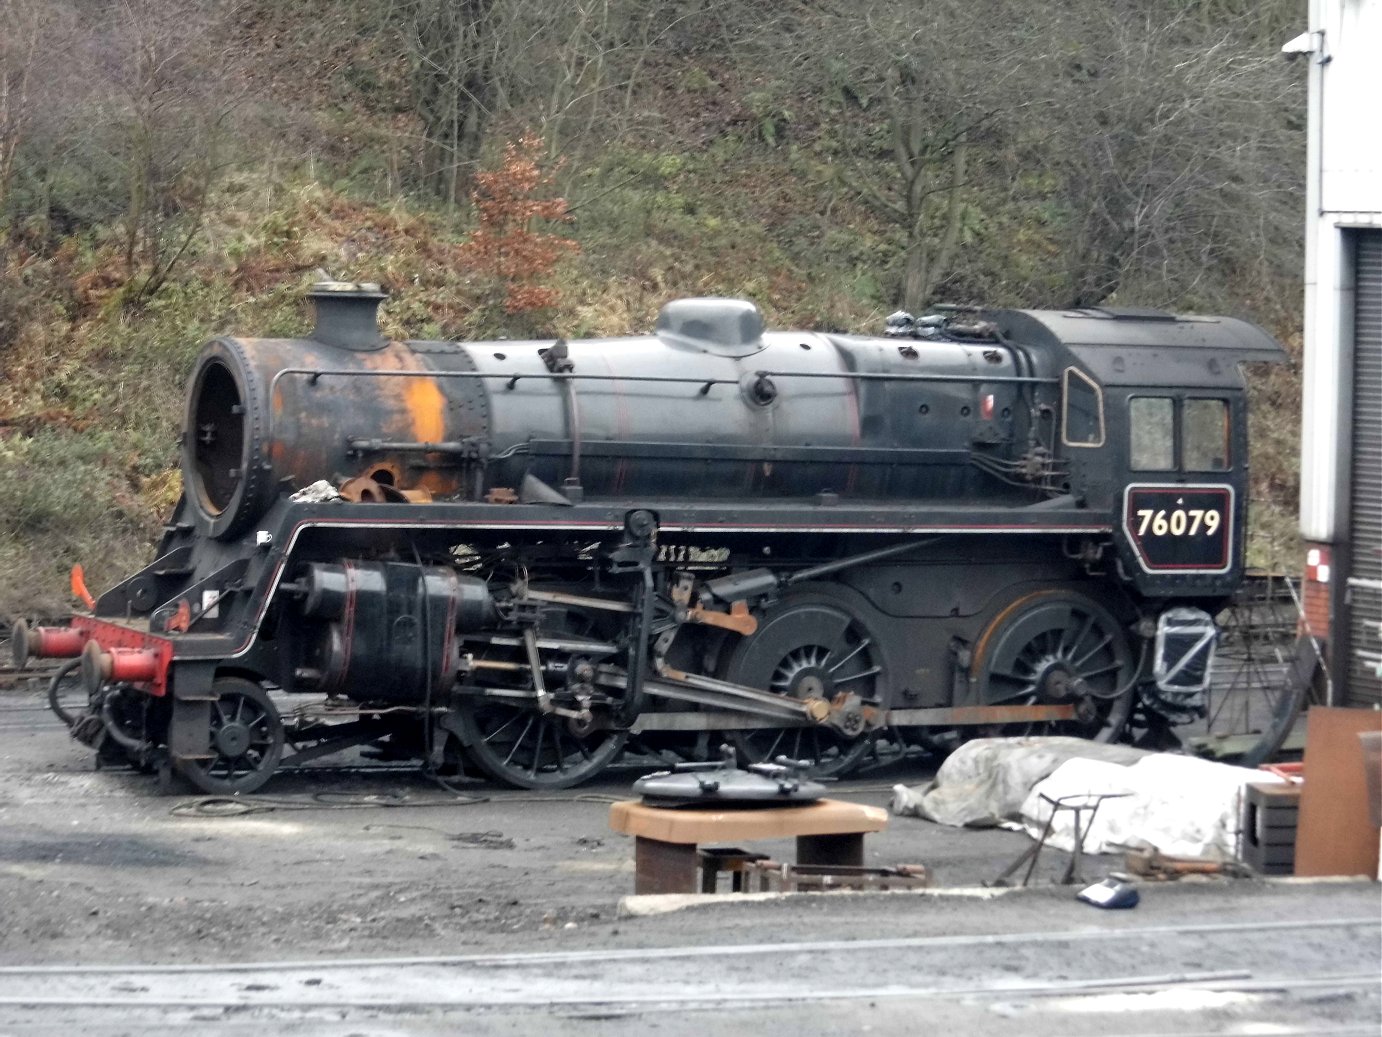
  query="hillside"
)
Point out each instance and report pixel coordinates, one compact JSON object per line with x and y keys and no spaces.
{"x":172,"y":169}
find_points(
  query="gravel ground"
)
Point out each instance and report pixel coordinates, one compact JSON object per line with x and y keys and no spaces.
{"x":356,"y":866}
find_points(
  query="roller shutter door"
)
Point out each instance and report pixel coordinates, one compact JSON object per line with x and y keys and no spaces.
{"x":1364,"y":595}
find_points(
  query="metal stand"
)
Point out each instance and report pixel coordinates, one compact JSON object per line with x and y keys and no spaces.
{"x":731,"y":859}
{"x":1078,"y":803}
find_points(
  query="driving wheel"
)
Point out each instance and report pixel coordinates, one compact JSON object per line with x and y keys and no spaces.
{"x":1058,"y":648}
{"x":811,"y":648}
{"x":514,"y":742}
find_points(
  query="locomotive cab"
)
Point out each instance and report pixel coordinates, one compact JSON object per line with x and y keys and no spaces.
{"x":1154,"y":423}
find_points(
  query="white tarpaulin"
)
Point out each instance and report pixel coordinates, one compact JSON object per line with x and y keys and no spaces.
{"x":1181,"y":805}
{"x":985,"y":782}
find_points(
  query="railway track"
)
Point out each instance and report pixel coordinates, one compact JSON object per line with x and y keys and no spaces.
{"x":1238,"y":961}
{"x":37,"y":674}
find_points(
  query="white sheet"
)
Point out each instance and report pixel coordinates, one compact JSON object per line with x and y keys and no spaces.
{"x":984,"y":782}
{"x":1181,"y":805}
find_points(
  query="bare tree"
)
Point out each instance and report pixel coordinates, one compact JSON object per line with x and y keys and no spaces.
{"x":1173,"y":143}
{"x":169,"y":95}
{"x":584,"y":67}
{"x":450,"y":49}
{"x":29,"y":31}
{"x":17,"y":49}
{"x":929,"y":159}
{"x":32,"y":28}
{"x":1055,"y":155}
{"x":563,"y":69}
{"x":917,"y":88}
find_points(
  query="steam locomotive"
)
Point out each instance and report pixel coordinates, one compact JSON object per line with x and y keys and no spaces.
{"x":513,"y":557}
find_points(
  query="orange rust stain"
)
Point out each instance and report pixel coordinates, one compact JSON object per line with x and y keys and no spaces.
{"x":427,"y":406}
{"x":437,"y":483}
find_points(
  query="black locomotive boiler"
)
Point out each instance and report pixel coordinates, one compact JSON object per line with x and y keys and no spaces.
{"x":515,"y":556}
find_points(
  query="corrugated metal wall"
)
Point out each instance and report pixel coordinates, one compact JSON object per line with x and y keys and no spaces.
{"x":1363,"y":685}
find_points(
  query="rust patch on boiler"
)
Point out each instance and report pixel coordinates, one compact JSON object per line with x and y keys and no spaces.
{"x":427,"y":406}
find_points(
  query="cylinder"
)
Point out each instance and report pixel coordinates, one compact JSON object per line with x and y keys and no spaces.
{"x":385,"y":631}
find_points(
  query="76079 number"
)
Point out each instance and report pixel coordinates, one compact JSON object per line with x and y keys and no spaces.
{"x":1178,"y":522}
{"x":1180,"y":529}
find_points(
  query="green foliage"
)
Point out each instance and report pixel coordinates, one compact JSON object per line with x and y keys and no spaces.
{"x":77,"y":507}
{"x":774,"y":118}
{"x":696,"y":80}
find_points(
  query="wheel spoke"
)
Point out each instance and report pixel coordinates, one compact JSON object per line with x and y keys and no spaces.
{"x":1046,"y":632}
{"x":808,"y":646}
{"x":537,"y":748}
{"x":556,"y":737}
{"x":857,"y":649}
{"x":1011,"y":675}
{"x":1024,"y":660}
{"x":841,"y":681}
{"x":1077,"y":663}
{"x":1076,"y":641}
{"x":1026,"y":696}
{"x":829,"y":631}
{"x":503,"y":727}
{"x":519,"y":740}
{"x":243,"y":717}
{"x":772,"y":749}
{"x":1112,"y":667}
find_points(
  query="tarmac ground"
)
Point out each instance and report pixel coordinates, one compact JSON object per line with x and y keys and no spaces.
{"x":368,"y":900}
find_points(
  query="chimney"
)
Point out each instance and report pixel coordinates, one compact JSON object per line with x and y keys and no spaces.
{"x":347,"y":314}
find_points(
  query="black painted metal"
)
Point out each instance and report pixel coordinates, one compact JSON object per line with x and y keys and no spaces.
{"x":714,"y":510}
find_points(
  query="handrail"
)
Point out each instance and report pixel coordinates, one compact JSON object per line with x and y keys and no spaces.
{"x":885,"y":376}
{"x":512,"y":377}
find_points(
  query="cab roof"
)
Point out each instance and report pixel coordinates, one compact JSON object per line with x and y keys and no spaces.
{"x":1134,"y":346}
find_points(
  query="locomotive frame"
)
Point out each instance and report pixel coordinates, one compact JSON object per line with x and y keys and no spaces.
{"x":980,"y":526}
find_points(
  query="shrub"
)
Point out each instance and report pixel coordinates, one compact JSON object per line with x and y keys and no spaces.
{"x":505,"y":250}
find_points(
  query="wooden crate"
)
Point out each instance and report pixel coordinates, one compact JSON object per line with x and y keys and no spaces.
{"x":1268,"y":838}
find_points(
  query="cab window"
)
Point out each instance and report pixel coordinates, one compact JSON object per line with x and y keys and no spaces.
{"x":1083,"y":420}
{"x":1167,"y":434}
{"x":1204,"y":436}
{"x":1152,"y":433}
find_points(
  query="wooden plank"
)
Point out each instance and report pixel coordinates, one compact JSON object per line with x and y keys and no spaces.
{"x":1335,"y":835}
{"x":691,"y":826}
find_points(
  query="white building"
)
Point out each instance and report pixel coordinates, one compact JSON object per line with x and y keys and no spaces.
{"x":1341,"y":435}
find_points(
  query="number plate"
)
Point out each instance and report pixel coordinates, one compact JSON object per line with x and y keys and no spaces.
{"x":1182,"y":529}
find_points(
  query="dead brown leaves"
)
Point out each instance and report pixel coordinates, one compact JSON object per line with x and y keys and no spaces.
{"x":505,"y":247}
